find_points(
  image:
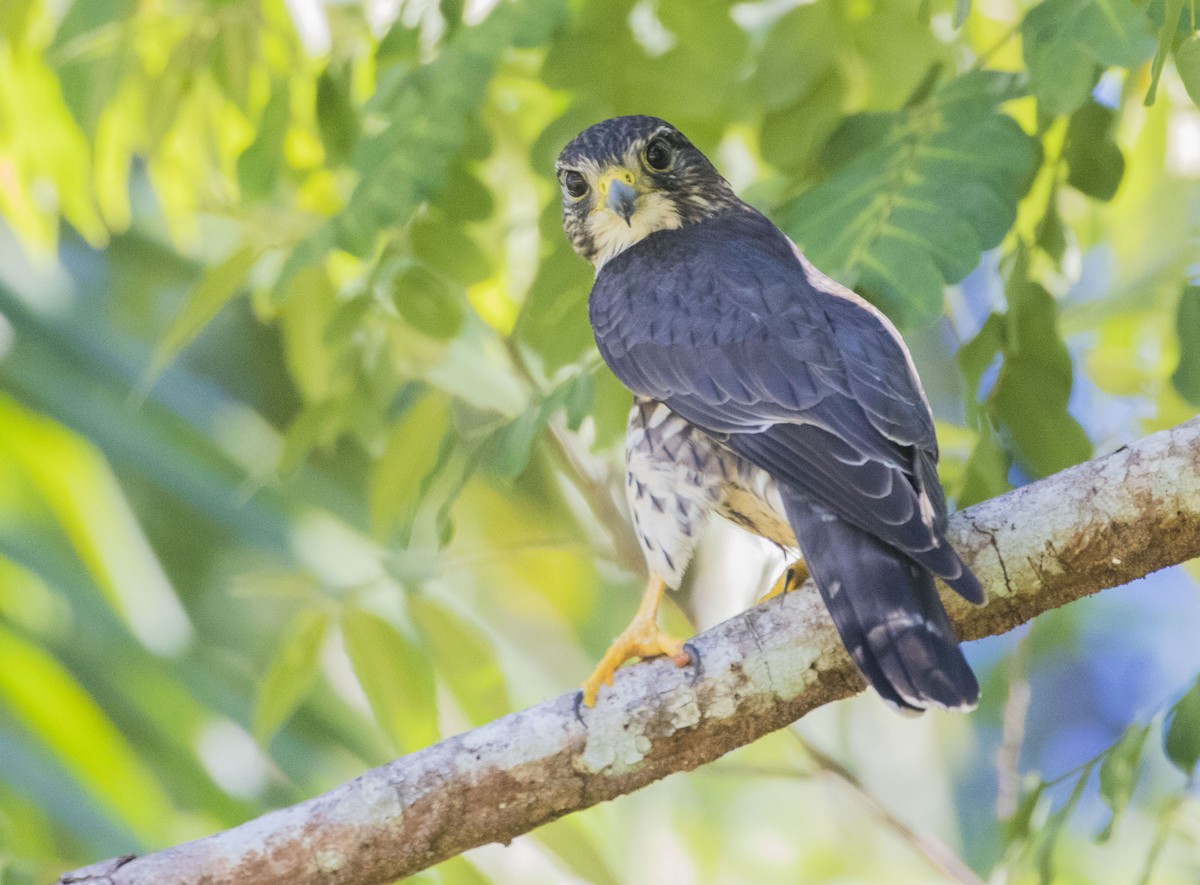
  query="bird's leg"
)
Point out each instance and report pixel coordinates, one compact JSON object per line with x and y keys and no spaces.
{"x":793,"y":576}
{"x":643,"y":638}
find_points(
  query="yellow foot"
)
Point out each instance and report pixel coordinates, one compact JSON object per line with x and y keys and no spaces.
{"x":793,"y":576}
{"x":643,"y":638}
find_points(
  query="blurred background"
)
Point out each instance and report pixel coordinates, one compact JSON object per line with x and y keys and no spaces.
{"x":307,"y":459}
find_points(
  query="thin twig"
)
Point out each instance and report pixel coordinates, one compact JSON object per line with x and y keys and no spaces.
{"x":600,"y":498}
{"x":936,"y":852}
{"x":598,"y":493}
{"x":1163,"y":833}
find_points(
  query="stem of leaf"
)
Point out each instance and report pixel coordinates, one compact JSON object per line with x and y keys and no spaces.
{"x":1163,"y":830}
{"x":937,"y":853}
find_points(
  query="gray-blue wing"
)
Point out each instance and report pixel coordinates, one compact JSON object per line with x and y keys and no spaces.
{"x":721,"y":322}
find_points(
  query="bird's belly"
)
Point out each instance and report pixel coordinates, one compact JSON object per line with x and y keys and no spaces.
{"x":673,"y":480}
{"x":677,"y":476}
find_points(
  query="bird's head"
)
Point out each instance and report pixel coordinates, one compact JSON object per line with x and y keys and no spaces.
{"x":625,"y":178}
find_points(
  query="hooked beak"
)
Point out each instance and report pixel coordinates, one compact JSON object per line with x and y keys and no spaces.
{"x":621,"y":199}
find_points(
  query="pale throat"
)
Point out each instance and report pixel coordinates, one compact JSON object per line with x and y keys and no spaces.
{"x":611,"y":235}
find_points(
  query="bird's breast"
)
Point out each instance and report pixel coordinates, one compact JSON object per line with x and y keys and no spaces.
{"x":678,"y":476}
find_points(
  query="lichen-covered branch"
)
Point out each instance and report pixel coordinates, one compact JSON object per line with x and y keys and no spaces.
{"x":1094,"y":526}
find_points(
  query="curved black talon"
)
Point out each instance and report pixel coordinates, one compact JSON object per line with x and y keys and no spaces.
{"x":697,"y":664}
{"x":578,"y":705}
{"x":790,"y":584}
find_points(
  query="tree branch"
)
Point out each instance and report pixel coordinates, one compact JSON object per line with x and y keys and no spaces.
{"x":1093,"y":526}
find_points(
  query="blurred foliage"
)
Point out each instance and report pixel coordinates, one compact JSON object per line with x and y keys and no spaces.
{"x":307,"y":459}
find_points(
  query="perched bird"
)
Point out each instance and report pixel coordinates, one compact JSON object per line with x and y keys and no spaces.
{"x":768,"y":393}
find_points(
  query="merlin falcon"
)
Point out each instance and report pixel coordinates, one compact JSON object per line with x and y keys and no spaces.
{"x":769,"y":394}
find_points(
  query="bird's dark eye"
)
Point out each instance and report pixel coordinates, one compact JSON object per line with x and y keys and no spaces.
{"x":574,"y":184}
{"x":658,"y":155}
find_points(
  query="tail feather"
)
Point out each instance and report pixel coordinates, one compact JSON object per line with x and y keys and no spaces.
{"x":887,"y":611}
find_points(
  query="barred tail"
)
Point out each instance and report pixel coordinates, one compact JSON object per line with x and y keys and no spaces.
{"x":887,"y":611}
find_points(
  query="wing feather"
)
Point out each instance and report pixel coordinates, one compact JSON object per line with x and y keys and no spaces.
{"x":721,"y":322}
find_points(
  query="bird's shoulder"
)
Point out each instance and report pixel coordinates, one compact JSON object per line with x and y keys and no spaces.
{"x":733,"y":271}
{"x":728,"y":318}
{"x":736,"y":279}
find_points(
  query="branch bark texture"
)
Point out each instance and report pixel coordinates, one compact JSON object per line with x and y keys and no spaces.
{"x":1097,"y":525}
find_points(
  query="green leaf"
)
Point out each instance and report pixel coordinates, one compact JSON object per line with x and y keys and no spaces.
{"x":14,"y":19}
{"x":915,"y":210}
{"x":1119,"y":774}
{"x":694,"y":79}
{"x":460,"y":871}
{"x":399,"y":46}
{"x":986,"y":475}
{"x":465,"y":197}
{"x":510,"y":447}
{"x":337,"y":116}
{"x":598,"y":39}
{"x":575,"y":847}
{"x":1186,"y":376}
{"x":442,"y":245}
{"x":396,"y":678}
{"x":429,"y":120}
{"x":464,"y":658}
{"x":791,"y":137}
{"x":42,"y":696}
{"x":292,"y":673}
{"x":88,"y":73}
{"x":1051,"y":235}
{"x":1094,"y":162}
{"x":258,"y":166}
{"x":406,"y":467}
{"x":27,"y":601}
{"x":1182,"y":740}
{"x":1172,"y":20}
{"x":962,"y":11}
{"x":799,"y":51}
{"x":1029,"y":398}
{"x":1034,"y":387}
{"x":1055,"y":824}
{"x":315,"y":426}
{"x":554,"y":320}
{"x":82,"y":495}
{"x":697,"y":74}
{"x":167,"y":93}
{"x":1066,"y":42}
{"x":1016,"y":828}
{"x":235,"y":51}
{"x":458,"y":461}
{"x":427,"y":303}
{"x":580,"y":399}
{"x":977,"y":355}
{"x":315,"y":368}
{"x":452,"y":14}
{"x":1187,"y":62}
{"x":219,"y":284}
